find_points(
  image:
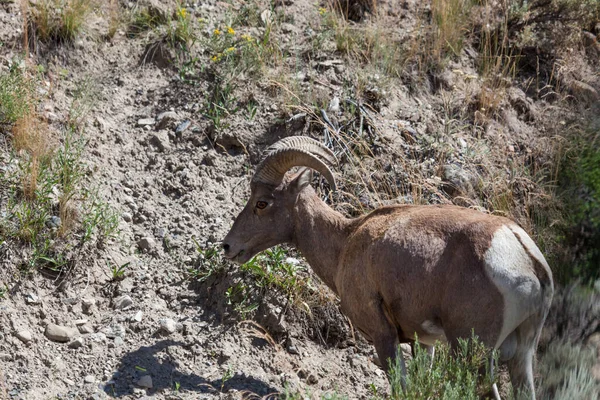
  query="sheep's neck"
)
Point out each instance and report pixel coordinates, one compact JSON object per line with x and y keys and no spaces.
{"x":320,"y":234}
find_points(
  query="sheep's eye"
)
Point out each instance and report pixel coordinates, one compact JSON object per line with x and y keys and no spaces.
{"x":261,"y":204}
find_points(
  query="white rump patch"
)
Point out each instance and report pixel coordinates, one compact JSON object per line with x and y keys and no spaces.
{"x":511,"y":269}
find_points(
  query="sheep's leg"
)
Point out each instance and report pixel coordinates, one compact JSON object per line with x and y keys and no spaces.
{"x":494,"y":386}
{"x":388,"y":353}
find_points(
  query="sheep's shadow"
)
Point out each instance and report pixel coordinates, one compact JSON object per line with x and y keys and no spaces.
{"x":163,"y":368}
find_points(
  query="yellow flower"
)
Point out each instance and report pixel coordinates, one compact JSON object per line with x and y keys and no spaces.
{"x":216,"y":57}
{"x":230,"y":50}
{"x":322,"y":11}
{"x":217,"y":32}
{"x":230,"y":30}
{"x":247,"y":38}
{"x":182,"y":12}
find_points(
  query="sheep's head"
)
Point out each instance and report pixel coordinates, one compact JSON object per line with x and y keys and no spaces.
{"x":267,"y":220}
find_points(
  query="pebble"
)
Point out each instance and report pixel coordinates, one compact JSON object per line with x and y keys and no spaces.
{"x":165,"y":118}
{"x":292,"y":350}
{"x":146,"y":243}
{"x":118,"y":341}
{"x":24,"y":336}
{"x":145,"y":382}
{"x":59,"y":333}
{"x":138,"y":316}
{"x":5,"y":357}
{"x":89,"y":379}
{"x":127,"y":217}
{"x":145,"y":122}
{"x":167,"y":325}
{"x":182,"y":127}
{"x":32,"y":298}
{"x":86,"y":328}
{"x":160,"y":140}
{"x":122,"y":302}
{"x":76,"y":343}
{"x":53,"y":222}
{"x":114,"y":330}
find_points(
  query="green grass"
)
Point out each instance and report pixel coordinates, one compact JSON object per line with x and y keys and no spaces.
{"x":59,"y":21}
{"x":44,"y":207}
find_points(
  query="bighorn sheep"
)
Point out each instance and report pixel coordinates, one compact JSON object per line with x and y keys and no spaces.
{"x":437,"y":271}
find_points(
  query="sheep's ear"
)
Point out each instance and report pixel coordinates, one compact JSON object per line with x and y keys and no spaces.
{"x":301,"y":180}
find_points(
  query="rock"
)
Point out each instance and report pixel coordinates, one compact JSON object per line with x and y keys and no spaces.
{"x":138,"y":316}
{"x":334,"y":105}
{"x":5,"y":357}
{"x":89,"y":379}
{"x":458,"y":180}
{"x":118,"y":341}
{"x":160,"y":140}
{"x":127,"y":217}
{"x":59,"y":333}
{"x":145,"y":122}
{"x":24,"y":336}
{"x":182,"y":127}
{"x":292,"y":350}
{"x":32,"y":298}
{"x":88,"y":305}
{"x":114,"y":330}
{"x":583,"y":91}
{"x":86,"y":328}
{"x":167,"y":325}
{"x":146,"y":243}
{"x":122,"y":302}
{"x":164,"y":119}
{"x":53,"y":222}
{"x":266,"y":17}
{"x":145,"y":382}
{"x":76,"y":343}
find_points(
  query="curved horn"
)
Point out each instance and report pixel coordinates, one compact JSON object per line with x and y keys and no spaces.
{"x":305,"y":143}
{"x":305,"y":152}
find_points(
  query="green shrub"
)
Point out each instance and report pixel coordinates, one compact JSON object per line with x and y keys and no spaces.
{"x":460,"y":377}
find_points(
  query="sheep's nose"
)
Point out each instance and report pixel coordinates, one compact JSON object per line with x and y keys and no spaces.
{"x":225,"y":247}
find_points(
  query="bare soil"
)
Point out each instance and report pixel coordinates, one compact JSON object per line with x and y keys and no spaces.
{"x":171,"y":187}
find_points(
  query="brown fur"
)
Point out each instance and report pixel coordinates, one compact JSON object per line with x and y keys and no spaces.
{"x":400,"y":270}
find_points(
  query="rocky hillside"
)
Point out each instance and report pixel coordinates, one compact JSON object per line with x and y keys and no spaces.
{"x":129,"y":131}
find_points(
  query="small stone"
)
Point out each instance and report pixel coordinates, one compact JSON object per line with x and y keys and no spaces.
{"x":76,"y":343}
{"x":118,"y":341}
{"x":32,"y":298}
{"x":293,"y":350}
{"x":59,"y":333}
{"x":334,"y":105}
{"x":68,"y":381}
{"x":292,"y":261}
{"x":138,"y":316}
{"x":145,"y":382}
{"x":167,"y":325}
{"x":160,"y":140}
{"x":127,"y":217}
{"x":182,"y":127}
{"x":122,"y":302}
{"x":145,"y":122}
{"x":24,"y":336}
{"x":53,"y":222}
{"x":146,"y":243}
{"x":78,"y":322}
{"x":114,"y":330}
{"x":89,"y":379}
{"x":88,"y":305}
{"x":5,"y":356}
{"x":86,"y":328}
{"x":164,"y":119}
